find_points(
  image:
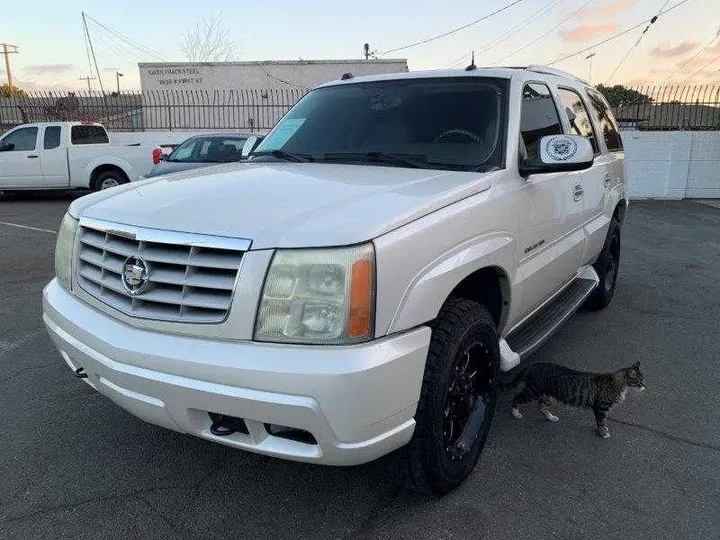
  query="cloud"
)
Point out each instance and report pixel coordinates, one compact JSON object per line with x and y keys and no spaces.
{"x":599,"y":21}
{"x":672,"y":51}
{"x":584,"y":32}
{"x":606,"y":11}
{"x":41,"y":70}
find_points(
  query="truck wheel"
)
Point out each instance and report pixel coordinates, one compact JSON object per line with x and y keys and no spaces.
{"x":457,"y":399}
{"x":606,"y":266}
{"x":109,"y":179}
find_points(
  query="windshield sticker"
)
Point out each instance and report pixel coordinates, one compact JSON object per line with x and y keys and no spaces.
{"x":383,"y":102}
{"x":283,"y":132}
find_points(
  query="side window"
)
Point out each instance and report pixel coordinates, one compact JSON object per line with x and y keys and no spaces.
{"x":221,"y":150}
{"x":607,"y":123}
{"x":578,"y":116}
{"x":88,"y":135}
{"x":185,"y":151}
{"x":51,"y":139}
{"x":538,"y":118}
{"x":24,"y":139}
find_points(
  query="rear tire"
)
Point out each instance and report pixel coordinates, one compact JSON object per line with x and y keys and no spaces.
{"x":109,"y":179}
{"x":457,"y":399}
{"x":607,"y":267}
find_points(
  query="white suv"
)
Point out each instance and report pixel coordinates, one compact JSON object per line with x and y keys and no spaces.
{"x":393,"y":245}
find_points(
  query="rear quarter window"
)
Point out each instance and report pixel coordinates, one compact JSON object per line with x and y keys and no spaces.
{"x":606,"y":121}
{"x":88,"y":135}
{"x":51,"y":139}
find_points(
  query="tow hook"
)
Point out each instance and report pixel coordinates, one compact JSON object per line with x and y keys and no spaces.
{"x":80,"y":373}
{"x":224,"y":425}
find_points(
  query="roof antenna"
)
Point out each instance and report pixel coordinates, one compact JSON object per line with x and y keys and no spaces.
{"x":472,"y":66}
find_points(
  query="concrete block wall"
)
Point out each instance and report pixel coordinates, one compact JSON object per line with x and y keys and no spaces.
{"x":672,"y":164}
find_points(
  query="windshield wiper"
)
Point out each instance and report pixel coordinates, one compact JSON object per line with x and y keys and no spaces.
{"x":415,"y":161}
{"x":287,"y":156}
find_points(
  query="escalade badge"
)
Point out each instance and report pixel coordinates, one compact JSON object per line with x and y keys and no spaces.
{"x":134,"y":275}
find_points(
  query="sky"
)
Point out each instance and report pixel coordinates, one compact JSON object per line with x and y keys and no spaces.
{"x":681,"y":45}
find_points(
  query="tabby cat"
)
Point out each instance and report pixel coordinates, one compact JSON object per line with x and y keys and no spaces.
{"x":548,"y":383}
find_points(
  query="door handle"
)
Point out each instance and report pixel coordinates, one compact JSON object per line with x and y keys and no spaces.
{"x":608,"y":179}
{"x":33,"y":156}
{"x":578,"y":193}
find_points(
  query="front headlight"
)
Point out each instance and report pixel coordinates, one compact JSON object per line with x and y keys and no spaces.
{"x":64,"y":250}
{"x":319,"y":296}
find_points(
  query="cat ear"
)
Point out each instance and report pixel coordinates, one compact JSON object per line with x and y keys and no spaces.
{"x":636,"y":365}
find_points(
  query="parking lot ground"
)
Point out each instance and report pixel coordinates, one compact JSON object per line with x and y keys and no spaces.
{"x":75,"y":466}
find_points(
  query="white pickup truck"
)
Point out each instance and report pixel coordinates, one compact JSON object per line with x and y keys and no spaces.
{"x":358,"y":286}
{"x":68,"y":155}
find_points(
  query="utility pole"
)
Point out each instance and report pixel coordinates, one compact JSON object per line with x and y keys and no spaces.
{"x":88,"y":79}
{"x":366,"y":48}
{"x":87,"y":33}
{"x":117,"y":79}
{"x":590,"y":57}
{"x":7,"y":53}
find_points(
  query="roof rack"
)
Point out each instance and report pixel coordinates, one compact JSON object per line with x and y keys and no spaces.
{"x":552,"y":71}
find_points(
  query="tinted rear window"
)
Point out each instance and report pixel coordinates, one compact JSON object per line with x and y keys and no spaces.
{"x":88,"y":135}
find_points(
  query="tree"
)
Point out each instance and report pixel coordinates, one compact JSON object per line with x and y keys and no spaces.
{"x":619,"y":94}
{"x":16,"y":92}
{"x":210,"y":41}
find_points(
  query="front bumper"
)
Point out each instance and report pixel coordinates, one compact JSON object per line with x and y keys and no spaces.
{"x":358,"y":401}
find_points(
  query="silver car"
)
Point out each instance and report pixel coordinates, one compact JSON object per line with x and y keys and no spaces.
{"x":201,"y":151}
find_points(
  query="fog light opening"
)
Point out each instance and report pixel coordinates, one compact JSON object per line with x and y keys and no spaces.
{"x":291,"y":434}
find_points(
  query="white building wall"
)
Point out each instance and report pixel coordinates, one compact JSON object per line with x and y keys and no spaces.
{"x":213,"y":76}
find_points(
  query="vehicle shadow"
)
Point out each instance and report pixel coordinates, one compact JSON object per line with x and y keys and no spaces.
{"x":38,"y":196}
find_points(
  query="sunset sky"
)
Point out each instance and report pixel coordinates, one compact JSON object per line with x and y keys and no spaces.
{"x":682,"y":45}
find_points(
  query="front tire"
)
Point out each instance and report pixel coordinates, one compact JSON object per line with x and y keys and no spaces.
{"x":457,"y":399}
{"x":607,"y":267}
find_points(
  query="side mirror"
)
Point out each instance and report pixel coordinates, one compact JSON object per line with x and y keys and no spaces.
{"x":6,"y":146}
{"x":560,"y":153}
{"x":250,"y":145}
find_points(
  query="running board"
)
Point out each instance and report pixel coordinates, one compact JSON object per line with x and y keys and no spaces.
{"x":533,"y":332}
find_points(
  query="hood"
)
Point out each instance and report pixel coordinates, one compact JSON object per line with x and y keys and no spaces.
{"x":285,"y":204}
{"x":167,"y":167}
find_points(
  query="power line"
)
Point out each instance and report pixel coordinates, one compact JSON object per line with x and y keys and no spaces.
{"x":513,"y":31}
{"x":92,"y":52}
{"x":453,"y":31}
{"x":122,"y":53}
{"x":688,"y":62}
{"x":553,"y":29}
{"x":612,"y":38}
{"x":711,"y":62}
{"x":147,"y":51}
{"x":283,"y":81}
{"x":87,"y":52}
{"x":637,"y":43}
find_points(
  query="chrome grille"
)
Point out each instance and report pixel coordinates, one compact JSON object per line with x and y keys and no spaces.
{"x":189,"y":281}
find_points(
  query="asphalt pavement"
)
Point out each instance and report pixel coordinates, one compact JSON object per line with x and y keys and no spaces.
{"x":75,"y":466}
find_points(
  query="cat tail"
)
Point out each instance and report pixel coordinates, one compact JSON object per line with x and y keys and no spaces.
{"x":516,"y":381}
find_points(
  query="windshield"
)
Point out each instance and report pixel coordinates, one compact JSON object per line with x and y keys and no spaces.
{"x":454,"y":124}
{"x":208,"y":150}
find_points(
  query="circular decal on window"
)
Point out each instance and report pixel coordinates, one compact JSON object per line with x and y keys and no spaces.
{"x":560,"y":148}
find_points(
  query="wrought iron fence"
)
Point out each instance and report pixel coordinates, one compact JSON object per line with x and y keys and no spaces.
{"x":246,"y":109}
{"x":654,"y":108}
{"x":647,"y":108}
